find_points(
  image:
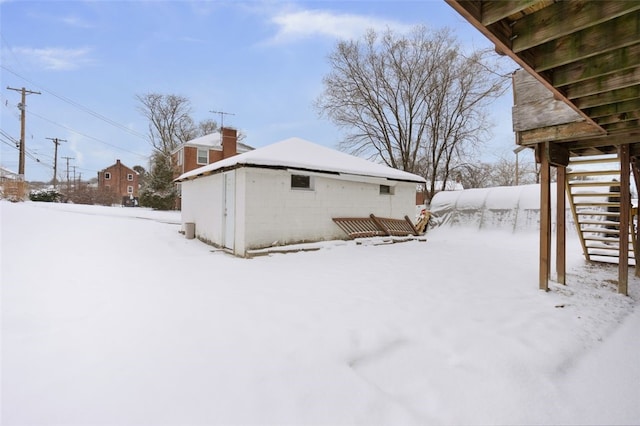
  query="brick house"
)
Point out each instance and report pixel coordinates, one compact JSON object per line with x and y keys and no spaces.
{"x":121,"y":182}
{"x":205,"y":150}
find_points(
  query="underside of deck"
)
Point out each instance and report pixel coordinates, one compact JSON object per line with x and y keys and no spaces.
{"x":578,"y":94}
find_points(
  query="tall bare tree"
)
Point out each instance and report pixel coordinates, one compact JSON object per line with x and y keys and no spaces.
{"x":170,"y":122}
{"x":414,"y":102}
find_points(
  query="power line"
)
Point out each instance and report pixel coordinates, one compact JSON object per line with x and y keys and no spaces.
{"x":29,"y":155}
{"x":87,"y":136}
{"x":79,"y":106}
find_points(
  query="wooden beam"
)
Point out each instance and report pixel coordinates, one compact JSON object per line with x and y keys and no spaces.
{"x":561,"y":217}
{"x":569,"y":131}
{"x":633,"y":117}
{"x":597,"y":66}
{"x":470,"y":11}
{"x":611,"y":35}
{"x":564,"y":18}
{"x":557,"y":154}
{"x":618,"y":80}
{"x":602,"y":141}
{"x":625,"y":206}
{"x":622,"y":127}
{"x":542,"y":113}
{"x":494,"y":11}
{"x":619,"y":118}
{"x":545,"y":220}
{"x":619,"y":95}
{"x":623,"y":107}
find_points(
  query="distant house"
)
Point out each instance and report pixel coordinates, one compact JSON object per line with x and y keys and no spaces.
{"x":8,"y":175}
{"x":289,"y":192}
{"x":120,"y":182}
{"x":12,"y":185}
{"x":207,"y":149}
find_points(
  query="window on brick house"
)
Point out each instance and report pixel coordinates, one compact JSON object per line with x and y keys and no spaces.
{"x":129,"y":177}
{"x":107,"y":175}
{"x":203,"y":156}
{"x":129,"y":189}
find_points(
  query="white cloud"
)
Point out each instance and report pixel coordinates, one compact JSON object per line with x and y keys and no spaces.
{"x":296,"y":25}
{"x":74,"y":21}
{"x":55,"y":58}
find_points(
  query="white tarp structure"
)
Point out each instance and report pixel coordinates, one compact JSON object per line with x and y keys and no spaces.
{"x":510,"y":208}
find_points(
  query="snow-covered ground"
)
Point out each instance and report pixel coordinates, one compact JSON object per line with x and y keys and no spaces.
{"x":110,"y":316}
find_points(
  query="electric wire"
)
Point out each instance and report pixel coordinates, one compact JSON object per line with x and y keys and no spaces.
{"x":78,"y":105}
{"x":29,"y":112}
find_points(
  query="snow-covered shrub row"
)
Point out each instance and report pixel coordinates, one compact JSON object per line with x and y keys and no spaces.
{"x":50,"y":195}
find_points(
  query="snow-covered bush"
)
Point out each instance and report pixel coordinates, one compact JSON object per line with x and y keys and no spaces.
{"x":49,"y":195}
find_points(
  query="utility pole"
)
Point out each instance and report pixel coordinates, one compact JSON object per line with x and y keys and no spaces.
{"x":222,"y":114}
{"x":56,"y":142}
{"x":68,"y":158}
{"x":74,"y":177}
{"x":22,"y":106}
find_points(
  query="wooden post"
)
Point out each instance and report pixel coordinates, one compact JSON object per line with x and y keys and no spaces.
{"x":561,"y":234}
{"x":545,"y":216}
{"x":625,"y":213}
{"x":636,"y":239}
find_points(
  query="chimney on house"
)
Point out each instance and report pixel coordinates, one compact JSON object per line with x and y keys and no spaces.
{"x":229,"y":142}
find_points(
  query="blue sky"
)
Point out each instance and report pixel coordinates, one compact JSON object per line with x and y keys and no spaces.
{"x":262,"y":61}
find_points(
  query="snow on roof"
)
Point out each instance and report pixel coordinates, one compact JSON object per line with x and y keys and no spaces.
{"x":212,"y":140}
{"x":6,"y":172}
{"x":298,"y":153}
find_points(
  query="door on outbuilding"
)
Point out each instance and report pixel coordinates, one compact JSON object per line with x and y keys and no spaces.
{"x":229,"y":209}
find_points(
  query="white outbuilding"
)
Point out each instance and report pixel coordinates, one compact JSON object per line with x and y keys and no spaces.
{"x":289,"y":192}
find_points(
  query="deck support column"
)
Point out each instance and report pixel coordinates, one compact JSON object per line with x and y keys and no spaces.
{"x":625,"y":213}
{"x":561,"y":217}
{"x":636,"y":236}
{"x":545,"y":216}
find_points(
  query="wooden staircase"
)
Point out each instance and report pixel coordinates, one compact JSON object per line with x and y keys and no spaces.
{"x":593,"y":190}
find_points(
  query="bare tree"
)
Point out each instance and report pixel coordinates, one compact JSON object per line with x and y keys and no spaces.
{"x":170,"y":122}
{"x":414,"y":102}
{"x":475,"y":175}
{"x":206,"y":127}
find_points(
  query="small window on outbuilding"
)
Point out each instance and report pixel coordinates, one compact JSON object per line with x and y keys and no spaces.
{"x":300,"y":182}
{"x":107,"y":175}
{"x":385,"y":189}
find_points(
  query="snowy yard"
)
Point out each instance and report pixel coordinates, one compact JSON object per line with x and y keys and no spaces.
{"x":110,"y":316}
